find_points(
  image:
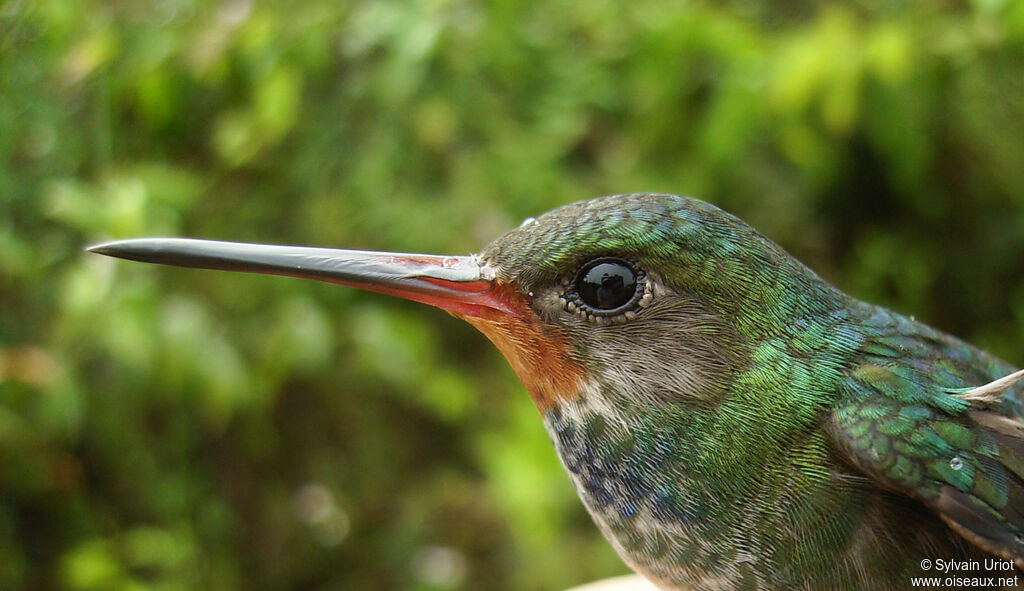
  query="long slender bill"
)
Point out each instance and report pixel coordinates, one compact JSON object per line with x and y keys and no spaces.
{"x":454,"y":283}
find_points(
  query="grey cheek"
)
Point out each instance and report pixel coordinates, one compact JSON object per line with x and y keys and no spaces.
{"x":663,"y":357}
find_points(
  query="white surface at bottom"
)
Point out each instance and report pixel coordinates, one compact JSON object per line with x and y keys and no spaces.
{"x":626,"y":583}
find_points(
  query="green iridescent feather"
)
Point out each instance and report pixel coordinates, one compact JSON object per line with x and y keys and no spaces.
{"x":902,"y":422}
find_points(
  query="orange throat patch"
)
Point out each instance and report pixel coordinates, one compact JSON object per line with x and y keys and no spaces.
{"x":538,"y":354}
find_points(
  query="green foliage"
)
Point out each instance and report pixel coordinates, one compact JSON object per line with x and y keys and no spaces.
{"x":166,"y":429}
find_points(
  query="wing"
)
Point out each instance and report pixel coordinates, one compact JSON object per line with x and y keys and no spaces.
{"x":909,"y":420}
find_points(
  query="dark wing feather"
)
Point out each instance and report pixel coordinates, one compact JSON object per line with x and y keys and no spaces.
{"x":907,"y":420}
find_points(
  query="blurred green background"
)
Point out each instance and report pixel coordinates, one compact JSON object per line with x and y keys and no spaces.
{"x":165,"y":429}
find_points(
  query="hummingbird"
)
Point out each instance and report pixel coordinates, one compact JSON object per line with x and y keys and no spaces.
{"x":729,"y":419}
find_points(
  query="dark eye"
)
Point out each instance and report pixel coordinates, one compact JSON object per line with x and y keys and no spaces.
{"x":606,"y":284}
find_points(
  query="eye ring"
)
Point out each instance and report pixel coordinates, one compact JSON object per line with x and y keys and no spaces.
{"x":606,"y":289}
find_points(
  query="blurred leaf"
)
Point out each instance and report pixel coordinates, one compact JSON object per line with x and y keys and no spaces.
{"x":92,"y":565}
{"x":277,"y":101}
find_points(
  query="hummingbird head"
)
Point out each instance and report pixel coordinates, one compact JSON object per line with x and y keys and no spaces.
{"x":655,"y":299}
{"x":648,"y":299}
